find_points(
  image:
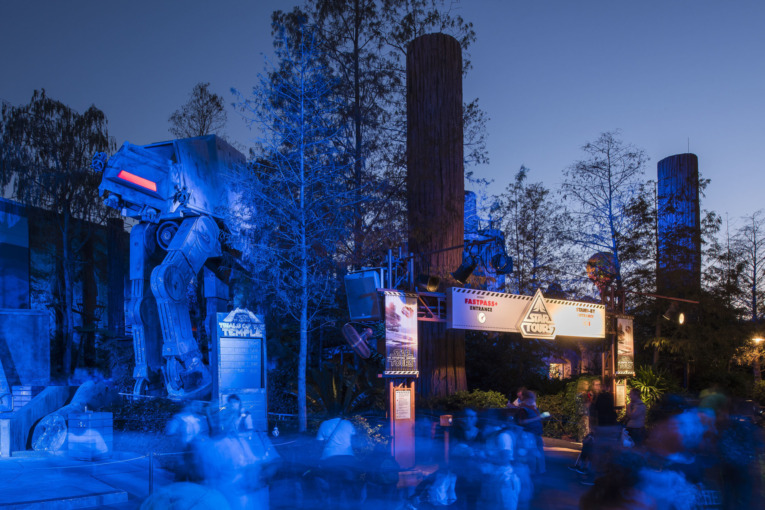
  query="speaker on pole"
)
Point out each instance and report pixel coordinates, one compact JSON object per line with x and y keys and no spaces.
{"x":363,"y":300}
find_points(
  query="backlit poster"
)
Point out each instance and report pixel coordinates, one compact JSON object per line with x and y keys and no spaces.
{"x":400,"y":334}
{"x":625,"y":348}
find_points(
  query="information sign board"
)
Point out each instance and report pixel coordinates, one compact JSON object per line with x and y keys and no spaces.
{"x":403,"y":404}
{"x":239,"y":363}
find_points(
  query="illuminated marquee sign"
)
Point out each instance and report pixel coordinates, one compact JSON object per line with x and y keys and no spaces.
{"x":533,"y":317}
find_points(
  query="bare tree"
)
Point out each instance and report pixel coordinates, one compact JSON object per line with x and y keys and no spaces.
{"x":750,"y":241}
{"x":602,"y":190}
{"x":364,"y":43}
{"x":203,"y":114}
{"x":294,"y":200}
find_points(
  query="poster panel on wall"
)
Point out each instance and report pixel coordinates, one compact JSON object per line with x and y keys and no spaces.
{"x":625,"y":347}
{"x":400,"y":334}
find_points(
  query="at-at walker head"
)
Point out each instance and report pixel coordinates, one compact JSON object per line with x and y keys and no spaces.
{"x":170,"y":180}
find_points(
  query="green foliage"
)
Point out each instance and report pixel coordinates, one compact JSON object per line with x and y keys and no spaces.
{"x":339,"y":390}
{"x":370,"y":435}
{"x":759,"y":392}
{"x":735,"y":382}
{"x":651,"y":383}
{"x":566,"y":410}
{"x":476,"y":399}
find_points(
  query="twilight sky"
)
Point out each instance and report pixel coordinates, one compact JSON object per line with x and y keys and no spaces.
{"x":551,"y":75}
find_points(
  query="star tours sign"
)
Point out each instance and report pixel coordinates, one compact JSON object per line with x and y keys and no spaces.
{"x":537,"y":321}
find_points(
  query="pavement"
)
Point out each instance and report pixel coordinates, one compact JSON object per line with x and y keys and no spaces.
{"x":57,"y":482}
{"x":559,"y":487}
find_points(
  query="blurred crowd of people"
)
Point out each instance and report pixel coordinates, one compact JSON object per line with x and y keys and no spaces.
{"x":225,"y":463}
{"x":697,"y":454}
{"x":496,"y":456}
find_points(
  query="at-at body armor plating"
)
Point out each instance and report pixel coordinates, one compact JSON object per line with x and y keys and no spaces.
{"x":176,"y":191}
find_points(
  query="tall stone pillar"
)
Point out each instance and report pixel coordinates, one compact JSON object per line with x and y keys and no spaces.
{"x":436,"y":193}
{"x":678,"y":265}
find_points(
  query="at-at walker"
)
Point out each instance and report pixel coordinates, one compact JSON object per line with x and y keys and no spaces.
{"x":176,"y":191}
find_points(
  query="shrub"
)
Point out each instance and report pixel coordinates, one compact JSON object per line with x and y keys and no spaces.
{"x":476,"y":399}
{"x":566,"y":409}
{"x":736,"y":382}
{"x":371,"y":434}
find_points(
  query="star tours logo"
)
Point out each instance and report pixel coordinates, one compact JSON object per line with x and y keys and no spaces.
{"x":537,"y":322}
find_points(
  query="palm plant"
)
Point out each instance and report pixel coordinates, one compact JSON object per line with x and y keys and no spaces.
{"x":338,"y":390}
{"x":651,"y":383}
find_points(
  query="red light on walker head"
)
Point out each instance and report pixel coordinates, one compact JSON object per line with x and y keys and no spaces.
{"x":140,"y":181}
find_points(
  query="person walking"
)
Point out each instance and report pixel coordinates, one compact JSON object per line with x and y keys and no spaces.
{"x":530,"y":419}
{"x":635,"y":414}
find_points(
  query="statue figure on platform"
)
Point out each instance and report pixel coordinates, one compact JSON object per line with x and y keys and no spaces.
{"x":176,"y":192}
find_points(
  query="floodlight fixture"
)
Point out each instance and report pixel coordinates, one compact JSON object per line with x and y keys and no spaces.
{"x":674,"y":314}
{"x":427,"y":283}
{"x":502,"y":263}
{"x":466,"y":269}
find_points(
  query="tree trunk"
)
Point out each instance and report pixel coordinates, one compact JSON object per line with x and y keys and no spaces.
{"x":303,"y":359}
{"x":303,"y":353}
{"x":116,"y":272}
{"x":436,"y":193}
{"x":678,"y":265}
{"x":757,"y":370}
{"x":67,"y":313}
{"x":86,"y":356}
{"x":358,"y":225}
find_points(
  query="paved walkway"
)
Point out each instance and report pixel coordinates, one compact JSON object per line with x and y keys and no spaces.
{"x":122,"y":483}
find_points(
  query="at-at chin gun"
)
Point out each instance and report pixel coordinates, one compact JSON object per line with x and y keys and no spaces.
{"x":177,"y":192}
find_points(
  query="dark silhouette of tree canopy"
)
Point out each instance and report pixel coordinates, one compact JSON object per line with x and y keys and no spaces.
{"x":203,"y":114}
{"x":46,"y":150}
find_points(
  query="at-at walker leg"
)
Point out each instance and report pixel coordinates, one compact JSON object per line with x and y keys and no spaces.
{"x":142,"y":311}
{"x":185,"y":374}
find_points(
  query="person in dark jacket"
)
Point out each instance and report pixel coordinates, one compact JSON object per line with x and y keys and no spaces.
{"x":530,"y":419}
